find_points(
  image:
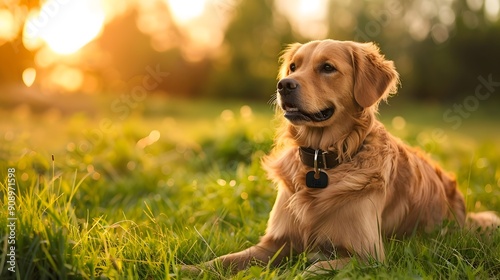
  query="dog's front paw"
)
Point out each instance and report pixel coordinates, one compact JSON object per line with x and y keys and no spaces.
{"x":325,"y":267}
{"x":318,"y":268}
{"x":190,"y":270}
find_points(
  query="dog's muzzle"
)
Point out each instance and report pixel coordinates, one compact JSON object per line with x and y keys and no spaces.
{"x":289,"y":91}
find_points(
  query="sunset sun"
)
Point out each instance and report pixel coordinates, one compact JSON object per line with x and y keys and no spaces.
{"x":65,"y":27}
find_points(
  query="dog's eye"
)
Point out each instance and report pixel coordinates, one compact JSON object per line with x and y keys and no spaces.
{"x":328,"y":68}
{"x":292,"y":67}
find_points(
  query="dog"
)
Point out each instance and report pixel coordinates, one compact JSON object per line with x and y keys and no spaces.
{"x":343,"y":182}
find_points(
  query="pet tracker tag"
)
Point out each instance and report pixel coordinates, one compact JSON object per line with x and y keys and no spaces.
{"x":317,"y":183}
{"x":316,"y":179}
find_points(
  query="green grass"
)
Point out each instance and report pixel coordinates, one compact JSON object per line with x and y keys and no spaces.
{"x":114,"y":206}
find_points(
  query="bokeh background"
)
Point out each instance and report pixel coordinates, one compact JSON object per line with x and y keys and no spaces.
{"x":229,"y":48}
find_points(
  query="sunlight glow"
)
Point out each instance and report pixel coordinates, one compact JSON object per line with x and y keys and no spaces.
{"x":203,"y":31}
{"x":308,"y":17}
{"x":153,"y":137}
{"x":7,"y":25}
{"x":398,"y":123}
{"x":492,"y":9}
{"x":474,"y":5}
{"x":310,"y":7}
{"x":184,"y":11}
{"x":29,"y":76}
{"x":69,"y":79}
{"x":64,"y":26}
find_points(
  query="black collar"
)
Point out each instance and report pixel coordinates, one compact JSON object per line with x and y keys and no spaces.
{"x":324,"y":160}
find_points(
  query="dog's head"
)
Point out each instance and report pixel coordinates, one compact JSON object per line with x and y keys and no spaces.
{"x":322,"y":83}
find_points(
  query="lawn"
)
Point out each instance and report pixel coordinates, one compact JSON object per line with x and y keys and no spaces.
{"x":132,"y":193}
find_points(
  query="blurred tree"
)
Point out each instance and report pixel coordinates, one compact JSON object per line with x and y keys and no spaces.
{"x":247,"y":64}
{"x":130,"y":51}
{"x":15,"y":58}
{"x":132,"y":54}
{"x":445,"y":65}
{"x":440,"y":48}
{"x":451,"y":71}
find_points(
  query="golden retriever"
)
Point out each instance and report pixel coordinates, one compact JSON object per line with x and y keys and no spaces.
{"x":343,"y":181}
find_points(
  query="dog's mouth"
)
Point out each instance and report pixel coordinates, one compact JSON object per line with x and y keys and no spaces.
{"x":294,"y":114}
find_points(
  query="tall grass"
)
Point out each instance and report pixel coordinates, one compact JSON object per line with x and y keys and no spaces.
{"x":127,"y":204}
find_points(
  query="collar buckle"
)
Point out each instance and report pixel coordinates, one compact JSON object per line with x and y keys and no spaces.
{"x":318,"y":159}
{"x":316,"y":168}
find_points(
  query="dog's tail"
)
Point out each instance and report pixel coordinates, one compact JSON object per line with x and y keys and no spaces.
{"x":487,"y":221}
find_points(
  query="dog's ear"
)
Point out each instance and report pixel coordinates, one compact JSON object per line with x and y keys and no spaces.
{"x":285,"y":59}
{"x":374,"y":77}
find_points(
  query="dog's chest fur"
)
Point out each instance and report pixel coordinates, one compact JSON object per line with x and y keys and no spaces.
{"x":306,"y":213}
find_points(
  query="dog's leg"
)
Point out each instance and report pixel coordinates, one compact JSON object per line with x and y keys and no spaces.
{"x":323,"y":267}
{"x":263,"y":253}
{"x":359,"y":232}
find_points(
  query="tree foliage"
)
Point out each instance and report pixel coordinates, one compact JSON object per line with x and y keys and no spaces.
{"x":247,"y":65}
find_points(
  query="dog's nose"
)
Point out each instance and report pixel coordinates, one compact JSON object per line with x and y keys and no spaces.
{"x":287,"y":86}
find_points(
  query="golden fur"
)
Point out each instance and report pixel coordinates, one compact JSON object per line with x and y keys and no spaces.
{"x":381,"y":187}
